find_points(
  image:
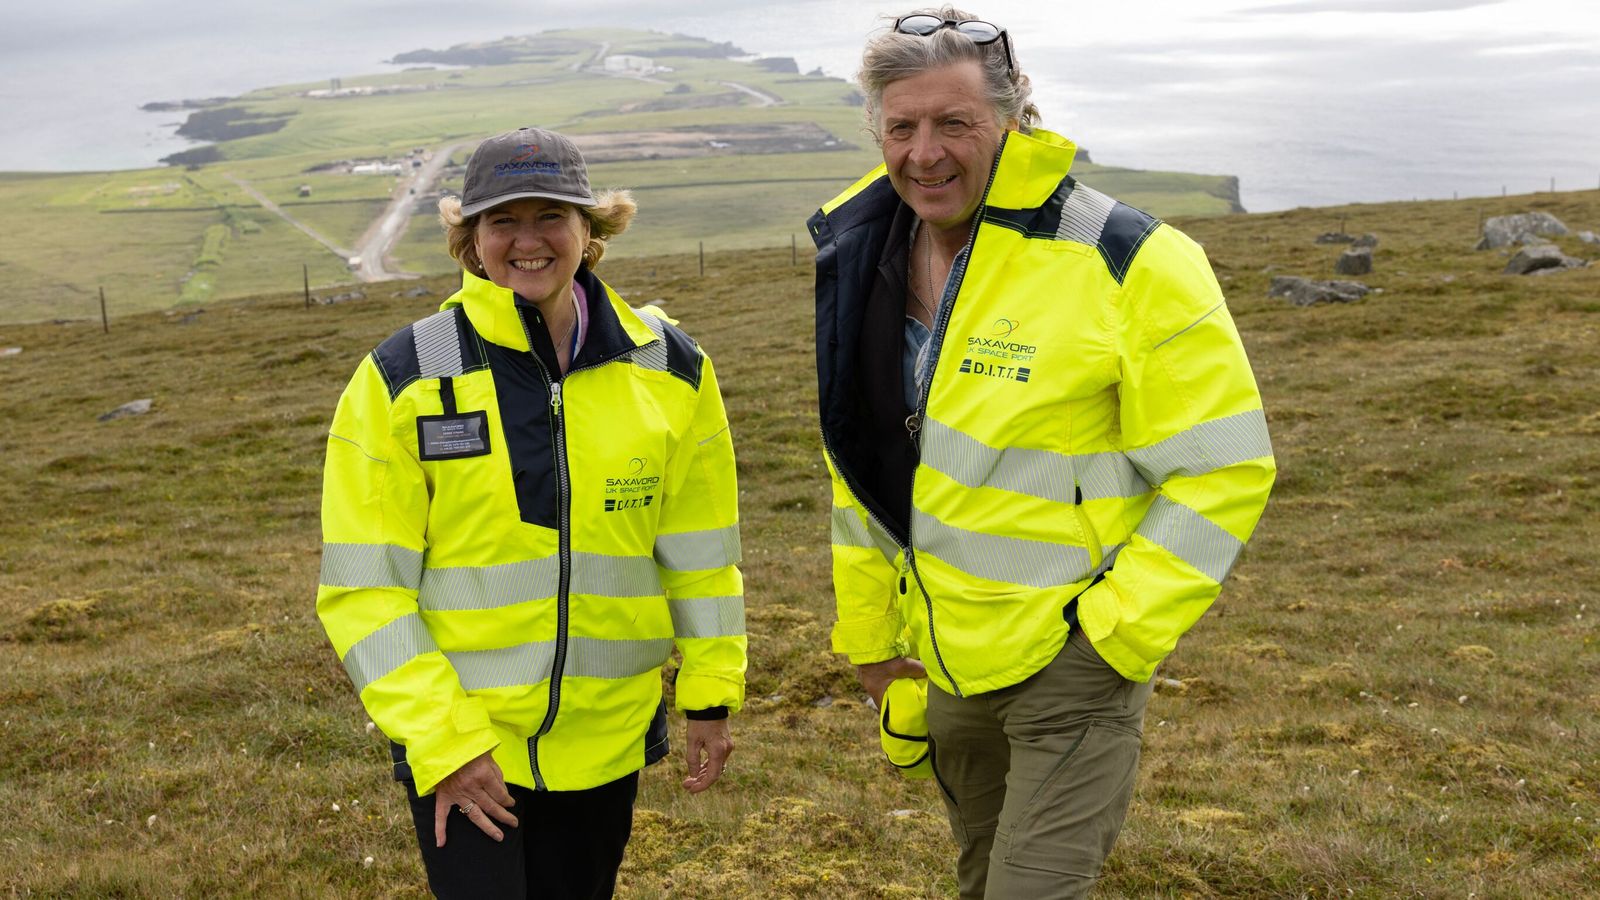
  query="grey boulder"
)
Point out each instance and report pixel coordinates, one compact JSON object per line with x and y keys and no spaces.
{"x":1522,"y":228}
{"x":1306,"y":292}
{"x":1354,"y":262}
{"x":136,"y":408}
{"x":1541,"y":258}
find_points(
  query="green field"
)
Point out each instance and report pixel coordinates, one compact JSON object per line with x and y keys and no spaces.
{"x":141,"y":234}
{"x":1396,"y":695}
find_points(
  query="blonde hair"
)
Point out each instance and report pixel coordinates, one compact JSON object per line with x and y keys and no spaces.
{"x":892,"y":56}
{"x":609,"y":217}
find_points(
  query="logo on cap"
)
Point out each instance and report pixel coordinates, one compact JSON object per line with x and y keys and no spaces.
{"x":524,"y":163}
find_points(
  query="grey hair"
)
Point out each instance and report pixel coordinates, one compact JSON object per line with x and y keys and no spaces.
{"x":891,"y":56}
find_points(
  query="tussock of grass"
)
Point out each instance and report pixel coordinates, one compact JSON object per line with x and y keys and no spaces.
{"x":1394,"y":697}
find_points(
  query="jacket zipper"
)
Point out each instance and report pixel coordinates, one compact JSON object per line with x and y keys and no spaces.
{"x":914,"y":425}
{"x":914,"y":421}
{"x":564,"y":542}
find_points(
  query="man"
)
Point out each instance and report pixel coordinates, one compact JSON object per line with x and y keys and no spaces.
{"x":1046,"y":443}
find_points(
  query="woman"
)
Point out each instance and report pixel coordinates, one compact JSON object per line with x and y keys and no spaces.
{"x":529,"y":502}
{"x":1039,"y":416}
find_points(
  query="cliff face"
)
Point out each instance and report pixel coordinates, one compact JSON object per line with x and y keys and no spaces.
{"x":1229,"y":191}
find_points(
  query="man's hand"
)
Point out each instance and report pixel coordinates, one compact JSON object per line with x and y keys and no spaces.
{"x":479,"y":790}
{"x":875,"y":677}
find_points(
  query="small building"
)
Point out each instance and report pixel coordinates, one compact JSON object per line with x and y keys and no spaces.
{"x":622,"y":62}
{"x":305,"y":190}
{"x":376,"y":168}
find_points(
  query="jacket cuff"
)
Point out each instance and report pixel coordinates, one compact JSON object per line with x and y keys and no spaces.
{"x":465,"y":736}
{"x":869,"y":640}
{"x":707,"y":715}
{"x":1098,"y":614}
{"x":696,"y":691}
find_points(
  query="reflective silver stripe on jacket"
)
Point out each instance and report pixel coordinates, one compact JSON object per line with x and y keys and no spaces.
{"x":707,"y":617}
{"x":370,"y":566}
{"x":652,"y":356}
{"x":850,"y":530}
{"x":996,"y":558}
{"x":1191,"y":537}
{"x":459,"y":588}
{"x":614,"y":576}
{"x":387,"y":649}
{"x":1084,"y":215}
{"x":1205,"y":447}
{"x":1044,"y":474}
{"x":529,"y":664}
{"x":438,"y":347}
{"x":694,"y":551}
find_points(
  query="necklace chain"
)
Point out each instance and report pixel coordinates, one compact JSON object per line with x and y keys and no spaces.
{"x":562,"y":342}
{"x":929,"y":260}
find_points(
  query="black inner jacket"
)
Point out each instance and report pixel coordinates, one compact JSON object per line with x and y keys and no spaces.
{"x":864,"y":416}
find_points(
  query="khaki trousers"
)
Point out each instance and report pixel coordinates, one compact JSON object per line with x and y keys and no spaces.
{"x":1037,"y":777}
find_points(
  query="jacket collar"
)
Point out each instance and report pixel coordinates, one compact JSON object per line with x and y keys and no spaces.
{"x":496,"y":314}
{"x":1031,"y":168}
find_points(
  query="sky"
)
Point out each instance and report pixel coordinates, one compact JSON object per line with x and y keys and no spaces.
{"x":1470,"y":93}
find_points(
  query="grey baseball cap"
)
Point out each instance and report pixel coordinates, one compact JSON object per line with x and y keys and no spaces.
{"x":528,"y":162}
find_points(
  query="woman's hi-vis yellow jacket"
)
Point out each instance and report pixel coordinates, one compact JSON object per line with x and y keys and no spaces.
{"x":509,"y":558}
{"x":1090,"y":446}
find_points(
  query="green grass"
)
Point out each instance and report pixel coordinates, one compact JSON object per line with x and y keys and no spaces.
{"x":139,"y":233}
{"x":1430,"y":539}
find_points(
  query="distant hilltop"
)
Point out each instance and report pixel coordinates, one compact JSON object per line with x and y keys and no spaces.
{"x":179,"y":105}
{"x":532,"y":48}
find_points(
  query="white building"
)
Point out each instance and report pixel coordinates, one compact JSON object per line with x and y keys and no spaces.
{"x":624,"y":63}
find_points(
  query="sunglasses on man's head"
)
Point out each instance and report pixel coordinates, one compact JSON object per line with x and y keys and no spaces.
{"x":976,"y":30}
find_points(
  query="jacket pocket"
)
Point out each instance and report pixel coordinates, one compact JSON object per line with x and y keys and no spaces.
{"x":1091,"y":539}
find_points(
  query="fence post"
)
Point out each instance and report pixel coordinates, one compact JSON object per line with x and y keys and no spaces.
{"x":1552,"y":184}
{"x":105,"y":322}
{"x":305,"y":273}
{"x":702,"y":259}
{"x":794,"y":254}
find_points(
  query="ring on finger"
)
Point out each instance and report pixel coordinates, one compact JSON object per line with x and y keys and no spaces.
{"x":468,"y":807}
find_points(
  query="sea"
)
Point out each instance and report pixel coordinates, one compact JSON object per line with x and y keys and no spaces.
{"x":1308,"y":102}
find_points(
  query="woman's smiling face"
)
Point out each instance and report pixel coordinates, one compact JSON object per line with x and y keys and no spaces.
{"x":532,"y":246}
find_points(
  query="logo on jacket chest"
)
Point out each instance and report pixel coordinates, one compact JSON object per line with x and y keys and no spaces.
{"x":635,"y":487}
{"x":1000,"y":354}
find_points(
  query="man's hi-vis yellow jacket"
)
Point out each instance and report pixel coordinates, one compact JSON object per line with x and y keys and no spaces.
{"x":1090,"y":446}
{"x":509,"y":558}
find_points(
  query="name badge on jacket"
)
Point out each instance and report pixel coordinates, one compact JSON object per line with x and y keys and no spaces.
{"x":453,"y":437}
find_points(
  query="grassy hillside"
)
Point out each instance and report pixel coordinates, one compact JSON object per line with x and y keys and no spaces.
{"x":142,"y":234}
{"x":1396,"y":695}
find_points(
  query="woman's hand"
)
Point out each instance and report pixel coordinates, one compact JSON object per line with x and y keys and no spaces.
{"x":876,"y":677}
{"x":710,"y":743}
{"x":479,"y":790}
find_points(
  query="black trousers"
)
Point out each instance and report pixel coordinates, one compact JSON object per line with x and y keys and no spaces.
{"x":567,"y":845}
